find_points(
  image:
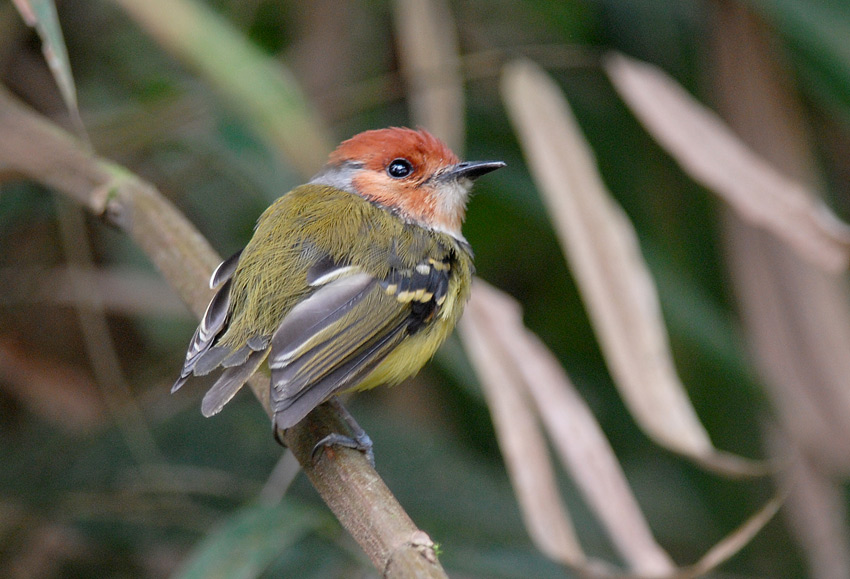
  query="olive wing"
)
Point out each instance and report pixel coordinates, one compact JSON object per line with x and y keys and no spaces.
{"x":331,"y":341}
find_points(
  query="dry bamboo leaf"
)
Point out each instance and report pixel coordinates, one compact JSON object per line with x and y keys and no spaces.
{"x":27,"y":13}
{"x":797,"y":316}
{"x":577,"y":437}
{"x":41,"y":15}
{"x":428,"y":49}
{"x":708,"y":150}
{"x":798,"y":326}
{"x":605,"y":258}
{"x":520,"y":440}
{"x":816,"y":510}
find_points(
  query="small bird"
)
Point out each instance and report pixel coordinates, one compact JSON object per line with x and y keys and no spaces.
{"x":351,"y":280}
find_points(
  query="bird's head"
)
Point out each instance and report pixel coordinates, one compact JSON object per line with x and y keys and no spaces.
{"x":410,"y":172}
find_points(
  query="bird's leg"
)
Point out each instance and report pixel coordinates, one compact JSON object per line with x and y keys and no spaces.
{"x":358,"y":440}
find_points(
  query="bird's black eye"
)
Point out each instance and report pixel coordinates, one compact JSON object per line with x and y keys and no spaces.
{"x":399,"y":168}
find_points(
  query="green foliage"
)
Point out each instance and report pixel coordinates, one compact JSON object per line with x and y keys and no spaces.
{"x":250,"y":541}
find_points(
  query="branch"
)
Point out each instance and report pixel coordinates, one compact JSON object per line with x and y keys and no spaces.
{"x":37,"y":149}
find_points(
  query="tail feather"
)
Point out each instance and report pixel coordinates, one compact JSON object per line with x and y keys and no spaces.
{"x":229,"y":383}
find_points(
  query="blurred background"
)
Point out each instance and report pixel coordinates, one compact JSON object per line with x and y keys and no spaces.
{"x":104,"y":474}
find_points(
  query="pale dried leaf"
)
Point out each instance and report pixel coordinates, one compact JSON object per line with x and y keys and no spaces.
{"x":523,"y":446}
{"x":281,"y":477}
{"x":428,"y":51}
{"x":25,"y":8}
{"x":577,"y":437}
{"x":605,"y":258}
{"x":798,"y":326}
{"x":816,"y":509}
{"x":797,"y":317}
{"x":708,"y":150}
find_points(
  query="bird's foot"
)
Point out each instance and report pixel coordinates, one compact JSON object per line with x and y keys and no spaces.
{"x":358,"y":440}
{"x":362,"y":443}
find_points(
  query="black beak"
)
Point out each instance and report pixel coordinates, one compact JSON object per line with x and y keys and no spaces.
{"x":472,"y":169}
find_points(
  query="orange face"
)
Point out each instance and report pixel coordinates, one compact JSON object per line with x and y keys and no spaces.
{"x":399,"y":166}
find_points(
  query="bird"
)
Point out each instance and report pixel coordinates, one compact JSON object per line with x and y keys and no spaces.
{"x":350,"y":281}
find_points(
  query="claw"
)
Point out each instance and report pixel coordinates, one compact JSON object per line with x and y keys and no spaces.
{"x":360,"y":442}
{"x":278,"y":434}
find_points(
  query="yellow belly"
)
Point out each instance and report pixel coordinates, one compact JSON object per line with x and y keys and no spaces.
{"x":408,"y":357}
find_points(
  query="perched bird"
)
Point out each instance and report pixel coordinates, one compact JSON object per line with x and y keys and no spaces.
{"x":350,"y":281}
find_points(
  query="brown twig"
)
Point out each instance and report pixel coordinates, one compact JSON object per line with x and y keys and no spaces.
{"x":34,"y":147}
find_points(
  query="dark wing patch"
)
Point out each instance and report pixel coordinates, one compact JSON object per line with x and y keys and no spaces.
{"x":423,"y":287}
{"x":326,"y":270}
{"x":364,"y":319}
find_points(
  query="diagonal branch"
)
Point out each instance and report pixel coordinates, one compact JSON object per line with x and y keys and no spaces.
{"x":38,"y":150}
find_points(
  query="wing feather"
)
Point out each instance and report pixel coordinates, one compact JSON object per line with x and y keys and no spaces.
{"x":203,"y":356}
{"x":306,"y":320}
{"x":334,"y":339}
{"x":368,"y":320}
{"x":229,"y":383}
{"x":211,"y":325}
{"x":329,"y":342}
{"x":237,"y":357}
{"x":290,"y":411}
{"x":210,"y":360}
{"x":225,"y":270}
